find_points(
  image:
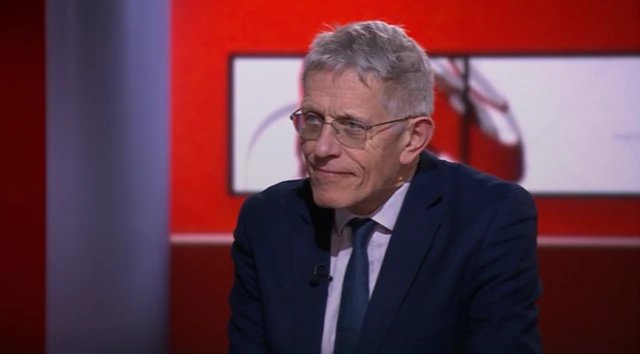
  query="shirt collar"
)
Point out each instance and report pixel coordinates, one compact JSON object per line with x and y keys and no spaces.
{"x":385,"y":216}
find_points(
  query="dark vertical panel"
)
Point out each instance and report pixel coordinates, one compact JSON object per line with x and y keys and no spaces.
{"x":107,"y":176}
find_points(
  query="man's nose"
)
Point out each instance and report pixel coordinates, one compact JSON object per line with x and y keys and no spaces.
{"x":327,"y":144}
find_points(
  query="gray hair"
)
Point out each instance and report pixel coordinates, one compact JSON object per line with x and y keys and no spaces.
{"x":384,"y":51}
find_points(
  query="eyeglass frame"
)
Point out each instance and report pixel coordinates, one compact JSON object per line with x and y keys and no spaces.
{"x":367,"y":126}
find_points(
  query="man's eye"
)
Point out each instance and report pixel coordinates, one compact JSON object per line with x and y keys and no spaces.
{"x":311,"y":118}
{"x":352,"y":125}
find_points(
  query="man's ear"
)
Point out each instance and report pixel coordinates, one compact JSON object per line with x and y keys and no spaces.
{"x":420,"y":132}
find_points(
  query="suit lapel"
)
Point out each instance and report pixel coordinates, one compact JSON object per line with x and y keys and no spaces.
{"x":311,"y":237}
{"x":418,"y":222}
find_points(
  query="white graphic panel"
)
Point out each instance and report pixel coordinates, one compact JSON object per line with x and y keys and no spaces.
{"x":579,"y":119}
{"x":265,"y":92}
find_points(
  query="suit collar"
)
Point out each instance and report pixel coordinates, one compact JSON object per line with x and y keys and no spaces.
{"x":417,"y":225}
{"x":310,"y":235}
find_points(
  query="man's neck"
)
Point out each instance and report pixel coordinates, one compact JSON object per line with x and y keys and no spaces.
{"x":370,"y":205}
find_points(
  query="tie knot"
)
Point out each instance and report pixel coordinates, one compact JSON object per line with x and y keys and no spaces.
{"x":361,"y":229}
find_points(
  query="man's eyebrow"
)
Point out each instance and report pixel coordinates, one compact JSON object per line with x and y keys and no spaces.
{"x":351,"y":116}
{"x":311,"y":108}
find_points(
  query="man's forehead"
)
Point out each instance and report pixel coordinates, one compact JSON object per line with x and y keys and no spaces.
{"x":345,"y":90}
{"x":342,"y":94}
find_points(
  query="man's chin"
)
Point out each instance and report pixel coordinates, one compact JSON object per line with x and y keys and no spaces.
{"x":330,"y":200}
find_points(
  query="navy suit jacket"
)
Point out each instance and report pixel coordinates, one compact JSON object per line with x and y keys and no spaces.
{"x":460,"y":274}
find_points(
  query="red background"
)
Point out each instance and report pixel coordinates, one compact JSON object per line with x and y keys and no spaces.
{"x":590,"y":303}
{"x":205,"y":33}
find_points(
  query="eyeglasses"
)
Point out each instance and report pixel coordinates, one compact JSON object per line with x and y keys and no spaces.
{"x":349,"y":132}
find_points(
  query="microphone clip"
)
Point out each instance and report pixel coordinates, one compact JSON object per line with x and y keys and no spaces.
{"x":320,"y":271}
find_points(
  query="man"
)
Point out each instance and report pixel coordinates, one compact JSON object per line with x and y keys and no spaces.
{"x":384,"y":248}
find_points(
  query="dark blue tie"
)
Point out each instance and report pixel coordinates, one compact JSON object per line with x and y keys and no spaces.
{"x":355,"y":289}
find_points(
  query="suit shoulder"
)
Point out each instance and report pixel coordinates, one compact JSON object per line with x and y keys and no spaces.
{"x":471,"y":183}
{"x":271,"y":196}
